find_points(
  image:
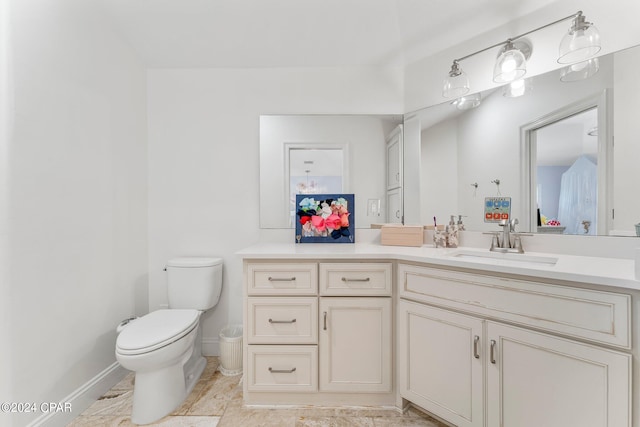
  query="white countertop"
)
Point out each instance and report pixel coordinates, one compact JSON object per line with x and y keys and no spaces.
{"x":592,"y":270}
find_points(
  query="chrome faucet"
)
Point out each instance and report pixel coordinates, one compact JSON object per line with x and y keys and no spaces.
{"x":505,"y":245}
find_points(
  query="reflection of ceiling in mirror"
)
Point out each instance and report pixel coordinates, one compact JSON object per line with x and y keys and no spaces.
{"x":562,"y":142}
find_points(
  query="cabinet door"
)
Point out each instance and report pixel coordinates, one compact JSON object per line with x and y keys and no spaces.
{"x":441,"y":362}
{"x":537,"y":380}
{"x":355,"y":344}
{"x":394,"y":206}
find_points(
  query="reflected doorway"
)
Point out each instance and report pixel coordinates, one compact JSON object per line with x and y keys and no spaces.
{"x":313,"y":170}
{"x":567,"y":175}
{"x":567,"y":168}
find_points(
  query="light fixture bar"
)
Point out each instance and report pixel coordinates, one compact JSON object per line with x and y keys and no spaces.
{"x":579,"y":44}
{"x":511,"y":39}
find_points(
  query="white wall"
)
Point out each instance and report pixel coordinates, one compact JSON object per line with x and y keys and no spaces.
{"x":204,"y":159}
{"x":6,"y":100}
{"x":77,"y":197}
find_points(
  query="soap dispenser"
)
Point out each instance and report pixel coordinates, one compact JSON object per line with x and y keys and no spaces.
{"x":460,"y":224}
{"x":452,"y":233}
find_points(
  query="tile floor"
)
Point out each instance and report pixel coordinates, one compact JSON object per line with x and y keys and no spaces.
{"x":216,"y":400}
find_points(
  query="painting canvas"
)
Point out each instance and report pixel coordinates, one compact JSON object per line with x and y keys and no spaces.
{"x":325,"y":218}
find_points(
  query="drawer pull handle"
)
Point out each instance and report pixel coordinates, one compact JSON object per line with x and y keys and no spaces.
{"x":325,"y":320}
{"x":281,"y":371}
{"x":344,"y":279}
{"x":476,"y":340}
{"x":281,"y":279}
{"x":282,"y":321}
{"x":492,"y":355}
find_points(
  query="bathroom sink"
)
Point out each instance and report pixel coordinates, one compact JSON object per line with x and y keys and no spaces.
{"x":500,"y":258}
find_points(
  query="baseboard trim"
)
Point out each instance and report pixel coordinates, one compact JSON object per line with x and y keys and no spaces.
{"x":211,"y":346}
{"x":82,"y":397}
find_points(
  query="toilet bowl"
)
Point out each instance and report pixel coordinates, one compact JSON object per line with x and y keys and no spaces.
{"x":158,"y":347}
{"x":164,"y":347}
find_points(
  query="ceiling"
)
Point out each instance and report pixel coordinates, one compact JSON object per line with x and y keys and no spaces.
{"x":303,"y":33}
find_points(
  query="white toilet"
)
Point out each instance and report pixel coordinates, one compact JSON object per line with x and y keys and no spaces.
{"x":164,"y":348}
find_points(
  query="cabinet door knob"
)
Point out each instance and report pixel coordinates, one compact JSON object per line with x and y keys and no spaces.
{"x":324,"y":315}
{"x":492,"y":353}
{"x":476,"y":341}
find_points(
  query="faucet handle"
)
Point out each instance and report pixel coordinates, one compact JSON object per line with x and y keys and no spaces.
{"x":517,"y":241}
{"x":517,"y":244}
{"x":495,"y":242}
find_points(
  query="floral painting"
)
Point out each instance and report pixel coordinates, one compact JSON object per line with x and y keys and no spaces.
{"x":325,"y":218}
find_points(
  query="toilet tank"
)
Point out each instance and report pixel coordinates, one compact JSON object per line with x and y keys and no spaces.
{"x":194,"y":282}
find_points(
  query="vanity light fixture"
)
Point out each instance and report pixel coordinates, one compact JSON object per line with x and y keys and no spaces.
{"x":457,"y":83}
{"x":467,"y":102}
{"x":511,"y":64}
{"x":580,"y":43}
{"x":516,"y":88}
{"x":580,"y":71}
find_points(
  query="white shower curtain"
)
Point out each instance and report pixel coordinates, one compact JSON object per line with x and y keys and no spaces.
{"x":579,"y":197}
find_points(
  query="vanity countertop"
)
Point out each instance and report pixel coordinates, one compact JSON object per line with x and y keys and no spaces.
{"x":592,"y":270}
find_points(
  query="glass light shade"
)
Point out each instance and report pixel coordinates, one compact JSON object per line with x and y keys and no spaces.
{"x":456,"y":84}
{"x":467,"y":102}
{"x":516,"y":88}
{"x":580,"y":71}
{"x":580,"y":43}
{"x":511,"y":65}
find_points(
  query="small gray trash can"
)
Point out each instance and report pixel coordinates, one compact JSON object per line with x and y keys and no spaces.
{"x":231,"y":350}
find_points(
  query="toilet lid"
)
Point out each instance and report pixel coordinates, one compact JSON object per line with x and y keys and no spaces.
{"x":156,"y":330}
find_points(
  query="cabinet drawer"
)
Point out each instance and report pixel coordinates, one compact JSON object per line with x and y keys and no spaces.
{"x":598,"y":316}
{"x":282,"y":279}
{"x":282,"y":368}
{"x":364,"y":278}
{"x":286,"y":320}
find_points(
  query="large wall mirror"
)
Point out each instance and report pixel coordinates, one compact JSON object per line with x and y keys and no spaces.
{"x":315,"y":154}
{"x":564,"y":152}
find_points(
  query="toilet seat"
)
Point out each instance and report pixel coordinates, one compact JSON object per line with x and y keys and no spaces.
{"x":155,"y":330}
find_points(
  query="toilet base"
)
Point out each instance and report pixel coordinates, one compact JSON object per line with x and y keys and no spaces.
{"x":157,"y":393}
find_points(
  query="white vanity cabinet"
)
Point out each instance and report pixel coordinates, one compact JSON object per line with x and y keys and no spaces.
{"x":356,"y":321}
{"x":462,"y":357}
{"x":318,"y":333}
